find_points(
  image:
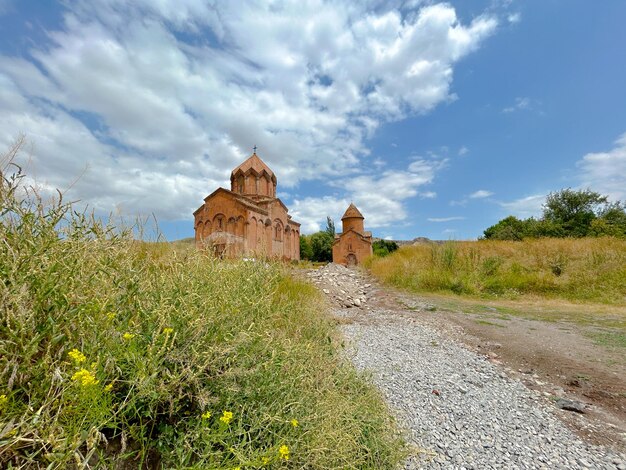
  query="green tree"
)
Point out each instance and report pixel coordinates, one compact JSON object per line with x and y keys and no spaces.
{"x":611,"y":221}
{"x":306,"y":252}
{"x":509,"y":228}
{"x":322,"y":246}
{"x":573,"y":210}
{"x":384,"y":247}
{"x":566,"y":213}
{"x":330,"y":227}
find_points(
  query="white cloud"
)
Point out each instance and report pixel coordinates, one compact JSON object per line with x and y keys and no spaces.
{"x":460,"y":203}
{"x":463,"y":151}
{"x":480,"y":194}
{"x":444,"y":219}
{"x":529,"y":206}
{"x":311,"y":212}
{"x":155,"y":102}
{"x":521,"y":104}
{"x":605,"y":172}
{"x":379,"y":197}
{"x":514,"y":18}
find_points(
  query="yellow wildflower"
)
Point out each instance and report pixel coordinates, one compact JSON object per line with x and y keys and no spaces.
{"x":206,"y":415}
{"x":294,"y":423}
{"x":3,"y":400}
{"x":128,"y":336}
{"x":85,"y":377}
{"x":168,"y":331}
{"x":284,"y":452}
{"x":108,"y":388}
{"x":266,"y":460}
{"x":111,"y":315}
{"x":76,"y":356}
{"x":226,"y":417}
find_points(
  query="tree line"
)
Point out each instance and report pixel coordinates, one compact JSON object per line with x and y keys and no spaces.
{"x":566,"y":213}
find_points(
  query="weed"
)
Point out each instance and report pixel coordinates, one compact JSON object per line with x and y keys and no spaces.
{"x":117,"y":353}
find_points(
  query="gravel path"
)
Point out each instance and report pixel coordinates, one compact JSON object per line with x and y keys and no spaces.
{"x":459,"y":410}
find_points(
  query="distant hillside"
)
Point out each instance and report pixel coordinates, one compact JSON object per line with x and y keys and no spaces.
{"x":412,"y":242}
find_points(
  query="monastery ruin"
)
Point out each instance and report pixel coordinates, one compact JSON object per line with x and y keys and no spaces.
{"x":248,"y":220}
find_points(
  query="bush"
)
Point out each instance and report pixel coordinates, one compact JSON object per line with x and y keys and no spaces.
{"x":114,"y":350}
{"x":384,"y":247}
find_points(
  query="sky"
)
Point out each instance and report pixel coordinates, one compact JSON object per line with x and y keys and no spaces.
{"x":436,"y":119}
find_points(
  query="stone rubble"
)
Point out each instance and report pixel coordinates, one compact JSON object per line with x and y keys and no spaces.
{"x":459,"y":408}
{"x":344,"y":287}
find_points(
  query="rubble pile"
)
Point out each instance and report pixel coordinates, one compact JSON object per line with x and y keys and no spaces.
{"x":345,"y":287}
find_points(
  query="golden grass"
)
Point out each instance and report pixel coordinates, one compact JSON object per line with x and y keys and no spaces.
{"x":577,"y":270}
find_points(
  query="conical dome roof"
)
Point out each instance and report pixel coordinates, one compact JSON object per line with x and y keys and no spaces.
{"x":255,"y":164}
{"x":352,"y":212}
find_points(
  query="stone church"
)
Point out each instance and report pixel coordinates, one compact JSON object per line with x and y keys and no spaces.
{"x":354,"y":244}
{"x":248,"y":219}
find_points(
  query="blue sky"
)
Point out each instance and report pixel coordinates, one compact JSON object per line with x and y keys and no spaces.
{"x":435,"y":119}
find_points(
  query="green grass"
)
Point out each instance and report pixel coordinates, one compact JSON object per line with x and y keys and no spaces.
{"x":171,"y":340}
{"x":578,"y":270}
{"x":488,"y":323}
{"x":611,"y":339}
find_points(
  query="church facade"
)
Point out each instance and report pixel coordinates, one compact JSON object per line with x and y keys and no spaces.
{"x":248,"y":220}
{"x":354,"y":244}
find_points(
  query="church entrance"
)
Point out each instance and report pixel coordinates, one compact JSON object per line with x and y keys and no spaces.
{"x":219,"y":250}
{"x":351,"y":259}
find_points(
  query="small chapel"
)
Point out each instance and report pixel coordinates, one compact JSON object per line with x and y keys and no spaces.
{"x":354,"y":244}
{"x":248,"y":220}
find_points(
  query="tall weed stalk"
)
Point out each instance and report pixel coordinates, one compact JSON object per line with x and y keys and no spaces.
{"x":118,"y":352}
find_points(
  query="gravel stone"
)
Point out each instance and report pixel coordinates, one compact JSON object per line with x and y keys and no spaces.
{"x":458,"y":409}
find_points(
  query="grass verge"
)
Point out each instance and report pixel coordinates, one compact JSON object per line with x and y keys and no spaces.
{"x":118,"y":353}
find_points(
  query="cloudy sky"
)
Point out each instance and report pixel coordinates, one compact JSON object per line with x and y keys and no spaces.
{"x":435,"y":119}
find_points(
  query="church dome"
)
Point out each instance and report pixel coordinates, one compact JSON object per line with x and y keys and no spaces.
{"x":254,"y":165}
{"x":352,"y":212}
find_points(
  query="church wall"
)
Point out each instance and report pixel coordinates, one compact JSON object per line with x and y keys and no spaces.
{"x":351,"y":243}
{"x":233,"y":228}
{"x":355,"y":224}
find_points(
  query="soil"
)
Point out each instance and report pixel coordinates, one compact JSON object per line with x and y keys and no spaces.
{"x":558,"y":359}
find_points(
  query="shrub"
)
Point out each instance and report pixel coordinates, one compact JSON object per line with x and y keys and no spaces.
{"x":384,"y":247}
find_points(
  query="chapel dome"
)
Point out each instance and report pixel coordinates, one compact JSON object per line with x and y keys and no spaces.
{"x":254,"y":165}
{"x":352,"y":212}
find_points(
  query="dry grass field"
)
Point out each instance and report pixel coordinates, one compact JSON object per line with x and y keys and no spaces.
{"x":575,"y":270}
